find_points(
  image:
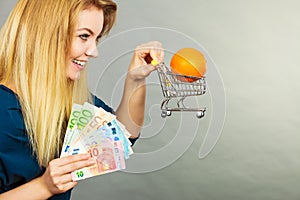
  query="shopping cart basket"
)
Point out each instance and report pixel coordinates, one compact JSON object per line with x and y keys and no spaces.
{"x":176,"y":86}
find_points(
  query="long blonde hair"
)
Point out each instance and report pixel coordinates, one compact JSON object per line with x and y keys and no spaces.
{"x":34,"y":43}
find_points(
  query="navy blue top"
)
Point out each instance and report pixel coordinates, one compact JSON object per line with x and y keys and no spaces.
{"x":18,"y":165}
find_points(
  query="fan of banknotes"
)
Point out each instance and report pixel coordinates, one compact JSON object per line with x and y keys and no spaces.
{"x":98,"y":132}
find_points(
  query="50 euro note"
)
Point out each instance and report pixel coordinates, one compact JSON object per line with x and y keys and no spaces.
{"x":100,"y":118}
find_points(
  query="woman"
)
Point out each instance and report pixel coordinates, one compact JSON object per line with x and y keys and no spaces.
{"x":44,"y":48}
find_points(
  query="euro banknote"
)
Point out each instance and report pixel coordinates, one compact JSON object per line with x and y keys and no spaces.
{"x":96,"y":131}
{"x":76,"y":110}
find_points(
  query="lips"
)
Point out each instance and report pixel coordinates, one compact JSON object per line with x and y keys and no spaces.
{"x":79,"y":63}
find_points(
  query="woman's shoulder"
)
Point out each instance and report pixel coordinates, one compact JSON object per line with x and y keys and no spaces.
{"x":100,"y":103}
{"x":10,"y":110}
{"x":8,"y":99}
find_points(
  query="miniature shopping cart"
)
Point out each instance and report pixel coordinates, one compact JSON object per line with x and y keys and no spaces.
{"x":176,"y":86}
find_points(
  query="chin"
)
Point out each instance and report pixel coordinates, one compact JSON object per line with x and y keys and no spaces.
{"x":74,"y":76}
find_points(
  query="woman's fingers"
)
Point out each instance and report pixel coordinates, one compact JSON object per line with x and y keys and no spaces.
{"x":58,"y":176}
{"x":70,"y":163}
{"x":70,"y":159}
{"x":156,"y":51}
{"x":72,"y":166}
{"x":140,"y":66}
{"x":70,"y":185}
{"x":153,"y":48}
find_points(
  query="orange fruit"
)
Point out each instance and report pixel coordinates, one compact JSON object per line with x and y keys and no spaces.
{"x":188,"y":62}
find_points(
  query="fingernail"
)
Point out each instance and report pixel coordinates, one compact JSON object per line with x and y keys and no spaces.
{"x":154,"y":62}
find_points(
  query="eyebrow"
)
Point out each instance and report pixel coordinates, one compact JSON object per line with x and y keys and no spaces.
{"x":86,"y":29}
{"x":89,"y":30}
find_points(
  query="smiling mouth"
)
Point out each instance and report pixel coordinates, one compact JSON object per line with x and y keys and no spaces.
{"x":78,"y":62}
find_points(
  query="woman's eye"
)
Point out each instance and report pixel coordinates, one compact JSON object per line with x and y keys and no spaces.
{"x":84,"y":36}
{"x":98,"y":39}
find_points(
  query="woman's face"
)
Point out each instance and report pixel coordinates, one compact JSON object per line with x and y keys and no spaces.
{"x":84,"y":45}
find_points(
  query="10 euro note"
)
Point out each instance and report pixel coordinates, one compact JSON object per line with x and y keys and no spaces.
{"x":113,"y":129}
{"x":107,"y":151}
{"x":93,"y":130}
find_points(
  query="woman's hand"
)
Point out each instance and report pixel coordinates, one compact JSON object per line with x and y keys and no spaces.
{"x":132,"y":107}
{"x":57,"y":177}
{"x":140,"y":66}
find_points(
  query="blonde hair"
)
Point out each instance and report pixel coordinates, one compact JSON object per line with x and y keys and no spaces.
{"x":34,"y":43}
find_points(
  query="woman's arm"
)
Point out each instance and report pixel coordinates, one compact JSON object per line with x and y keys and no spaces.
{"x":56,"y":179}
{"x":131,"y":109}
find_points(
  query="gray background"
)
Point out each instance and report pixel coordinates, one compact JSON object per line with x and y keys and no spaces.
{"x":256,"y":46}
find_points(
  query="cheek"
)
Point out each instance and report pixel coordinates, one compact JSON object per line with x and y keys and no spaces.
{"x":77,"y":49}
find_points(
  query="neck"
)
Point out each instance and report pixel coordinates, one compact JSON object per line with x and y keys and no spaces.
{"x":10,"y":85}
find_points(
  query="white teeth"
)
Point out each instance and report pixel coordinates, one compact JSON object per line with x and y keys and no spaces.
{"x":81,"y":63}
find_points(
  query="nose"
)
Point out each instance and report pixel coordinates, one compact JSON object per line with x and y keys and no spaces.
{"x":92,"y":51}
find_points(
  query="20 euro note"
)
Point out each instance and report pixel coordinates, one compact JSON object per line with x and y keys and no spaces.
{"x":115,"y":127}
{"x":116,"y":138}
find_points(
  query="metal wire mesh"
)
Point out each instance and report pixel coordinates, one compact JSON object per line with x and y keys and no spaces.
{"x":176,"y":85}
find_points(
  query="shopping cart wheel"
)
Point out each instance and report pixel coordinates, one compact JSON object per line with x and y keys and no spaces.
{"x":200,"y":114}
{"x":163,"y":114}
{"x":169,"y":113}
{"x":166,"y":113}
